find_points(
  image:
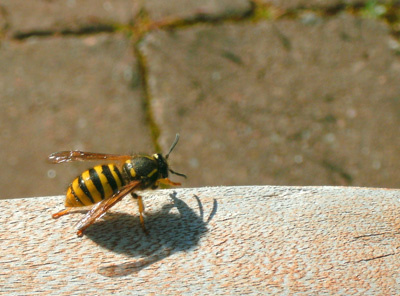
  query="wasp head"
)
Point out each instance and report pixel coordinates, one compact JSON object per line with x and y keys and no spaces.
{"x":163,"y":163}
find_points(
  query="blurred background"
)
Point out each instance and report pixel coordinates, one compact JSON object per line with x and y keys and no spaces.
{"x":262,"y":92}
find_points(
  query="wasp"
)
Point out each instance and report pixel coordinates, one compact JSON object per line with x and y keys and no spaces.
{"x":105,"y":185}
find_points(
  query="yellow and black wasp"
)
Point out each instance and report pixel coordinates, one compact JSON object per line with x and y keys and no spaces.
{"x":104,"y":185}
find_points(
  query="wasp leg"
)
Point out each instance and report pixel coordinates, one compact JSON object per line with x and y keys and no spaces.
{"x":71,"y":210}
{"x":62,"y":213}
{"x":167,"y":181}
{"x":139,"y":200}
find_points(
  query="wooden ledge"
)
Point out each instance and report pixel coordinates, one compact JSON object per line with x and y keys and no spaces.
{"x":218,"y":240}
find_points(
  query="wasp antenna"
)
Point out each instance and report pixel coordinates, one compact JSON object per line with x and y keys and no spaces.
{"x":179,"y":174}
{"x":172,"y":146}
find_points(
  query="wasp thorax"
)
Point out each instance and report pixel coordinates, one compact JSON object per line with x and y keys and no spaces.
{"x":143,"y":168}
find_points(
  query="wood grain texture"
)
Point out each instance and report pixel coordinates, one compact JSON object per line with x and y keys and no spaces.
{"x":215,"y":240}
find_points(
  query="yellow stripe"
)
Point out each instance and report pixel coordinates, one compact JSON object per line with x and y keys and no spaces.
{"x":90,"y":186}
{"x":116,"y":178}
{"x":70,"y":200}
{"x":132,"y":171}
{"x":152,"y":173}
{"x":108,"y":192}
{"x":79,"y":193}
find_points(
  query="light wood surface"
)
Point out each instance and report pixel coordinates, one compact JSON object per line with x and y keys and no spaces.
{"x":210,"y":240}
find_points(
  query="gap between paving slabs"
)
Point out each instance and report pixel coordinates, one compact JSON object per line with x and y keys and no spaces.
{"x":259,"y":10}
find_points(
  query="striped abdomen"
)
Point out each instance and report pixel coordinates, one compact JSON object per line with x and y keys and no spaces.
{"x":94,"y":185}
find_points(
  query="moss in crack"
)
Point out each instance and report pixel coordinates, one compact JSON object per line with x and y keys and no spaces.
{"x":154,"y":129}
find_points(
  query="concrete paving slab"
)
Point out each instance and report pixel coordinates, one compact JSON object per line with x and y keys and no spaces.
{"x":279,"y":103}
{"x":36,"y":15}
{"x":192,"y":9}
{"x":63,"y":94}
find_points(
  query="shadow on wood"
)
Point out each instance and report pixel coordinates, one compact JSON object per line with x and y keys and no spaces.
{"x":169,"y":232}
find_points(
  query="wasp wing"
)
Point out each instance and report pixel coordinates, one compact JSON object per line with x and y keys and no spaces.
{"x":68,"y":156}
{"x":102,"y":207}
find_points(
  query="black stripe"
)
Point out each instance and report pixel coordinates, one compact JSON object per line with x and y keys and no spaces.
{"x":76,"y":197}
{"x":82,"y":185}
{"x":116,"y":170}
{"x":110,"y":178}
{"x":97,"y":182}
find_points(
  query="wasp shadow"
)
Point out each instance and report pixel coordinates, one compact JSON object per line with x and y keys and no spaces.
{"x":175,"y":228}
